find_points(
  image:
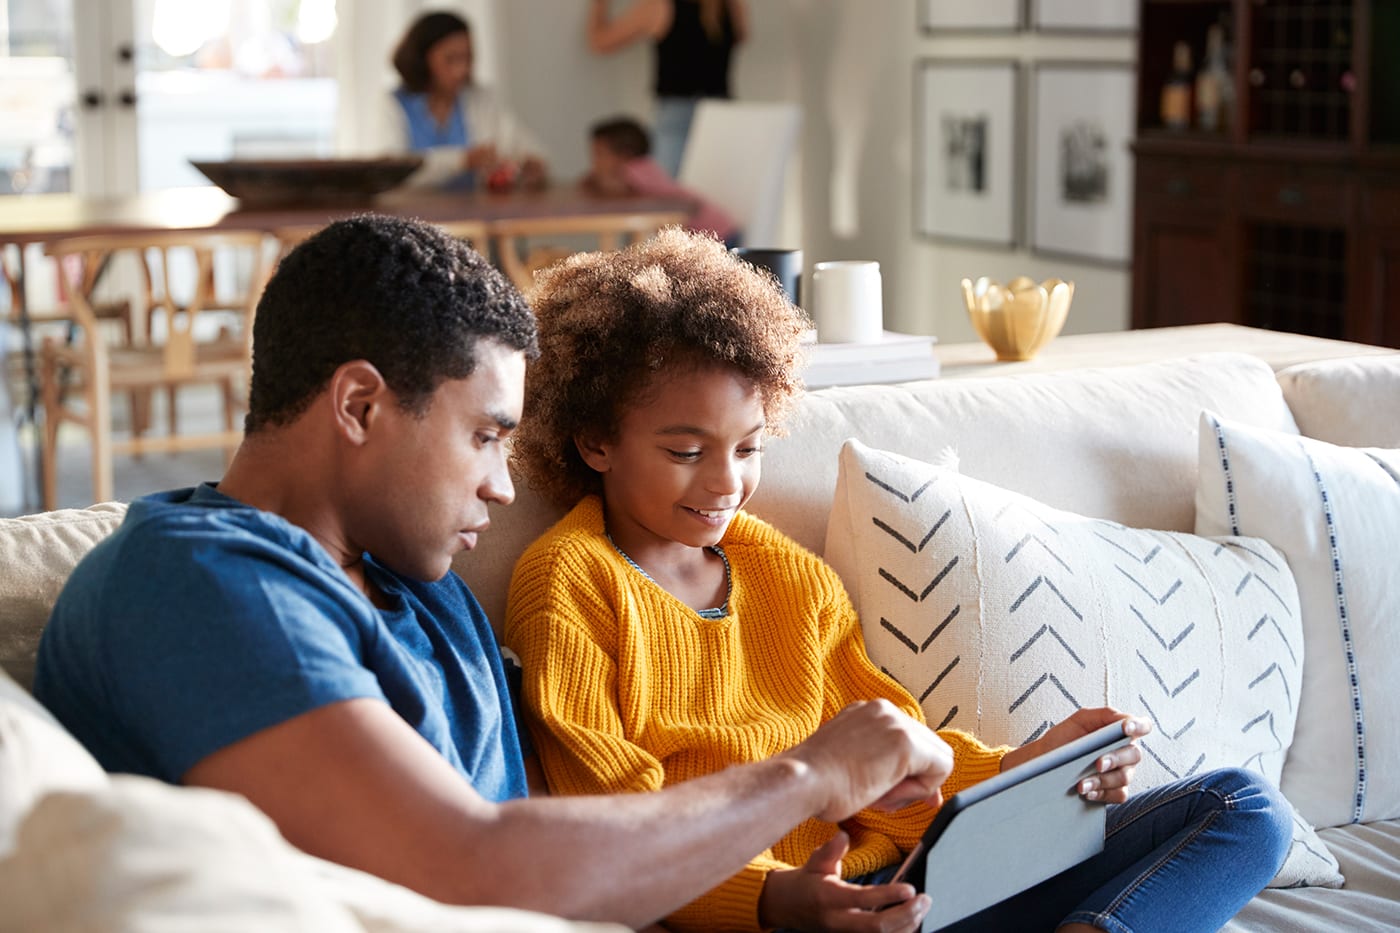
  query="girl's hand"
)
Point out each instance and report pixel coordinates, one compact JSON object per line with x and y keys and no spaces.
{"x":1114,"y":771}
{"x":815,"y":898}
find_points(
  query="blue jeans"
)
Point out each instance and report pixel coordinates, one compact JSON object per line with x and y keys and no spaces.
{"x":673,"y":117}
{"x":1184,"y":856}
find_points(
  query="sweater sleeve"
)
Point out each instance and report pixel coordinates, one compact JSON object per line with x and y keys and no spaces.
{"x":852,"y":676}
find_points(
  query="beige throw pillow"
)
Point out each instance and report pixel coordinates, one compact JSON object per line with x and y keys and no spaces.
{"x":1002,"y":616}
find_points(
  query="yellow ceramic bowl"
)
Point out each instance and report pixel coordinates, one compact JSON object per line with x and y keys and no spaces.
{"x":1016,"y":320}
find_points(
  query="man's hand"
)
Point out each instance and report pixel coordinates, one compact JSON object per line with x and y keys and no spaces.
{"x":873,"y":754}
{"x":815,"y":898}
{"x":1114,"y":769}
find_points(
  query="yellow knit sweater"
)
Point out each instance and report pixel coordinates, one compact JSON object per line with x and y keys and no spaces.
{"x":630,"y":690}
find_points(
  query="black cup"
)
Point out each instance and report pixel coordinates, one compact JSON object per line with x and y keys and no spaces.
{"x":785,"y":264}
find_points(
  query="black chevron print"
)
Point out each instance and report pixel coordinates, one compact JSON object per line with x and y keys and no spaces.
{"x":1252,"y":576}
{"x":902,"y":496}
{"x":1147,"y":747}
{"x":1169,"y":691}
{"x":939,"y":679}
{"x":1037,"y":732}
{"x":1247,"y":549}
{"x":1162,"y":727}
{"x":1041,"y":541}
{"x":918,"y":597}
{"x":1035,"y":584}
{"x":913,"y":548}
{"x":1265,"y":718}
{"x":1033,"y":516}
{"x":1272,"y":670}
{"x":1278,"y":630}
{"x":1167,"y":645}
{"x":908,"y":642}
{"x":938,"y":630}
{"x":1143,"y":559}
{"x":1159,"y":600}
{"x":1040,"y":682}
{"x":1036,"y":637}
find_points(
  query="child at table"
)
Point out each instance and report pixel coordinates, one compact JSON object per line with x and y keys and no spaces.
{"x":664,"y":633}
{"x":621,"y":163}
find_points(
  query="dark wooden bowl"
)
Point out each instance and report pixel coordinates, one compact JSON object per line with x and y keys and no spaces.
{"x":307,"y":181}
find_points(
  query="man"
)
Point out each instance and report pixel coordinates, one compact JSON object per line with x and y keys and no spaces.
{"x":294,"y":634}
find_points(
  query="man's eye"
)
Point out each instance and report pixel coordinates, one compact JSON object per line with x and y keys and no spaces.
{"x":486,"y":439}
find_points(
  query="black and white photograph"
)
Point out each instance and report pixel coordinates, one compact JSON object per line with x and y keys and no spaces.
{"x":970,"y":15}
{"x":1081,"y":179}
{"x":1105,"y":16}
{"x":965,"y":174}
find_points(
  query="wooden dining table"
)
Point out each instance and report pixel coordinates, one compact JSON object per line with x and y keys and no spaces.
{"x":41,"y":218}
{"x":27,"y":220}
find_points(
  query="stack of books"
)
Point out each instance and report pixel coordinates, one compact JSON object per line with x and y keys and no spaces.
{"x":896,"y":358}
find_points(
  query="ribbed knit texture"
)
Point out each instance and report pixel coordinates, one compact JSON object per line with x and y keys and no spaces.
{"x":630,"y":690}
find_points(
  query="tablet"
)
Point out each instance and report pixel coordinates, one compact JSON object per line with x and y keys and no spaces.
{"x":1012,"y":831}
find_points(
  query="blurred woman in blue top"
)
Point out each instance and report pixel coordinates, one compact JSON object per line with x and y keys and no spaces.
{"x":462,"y":131}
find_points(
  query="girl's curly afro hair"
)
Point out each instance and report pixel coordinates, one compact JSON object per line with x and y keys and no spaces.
{"x":609,"y":323}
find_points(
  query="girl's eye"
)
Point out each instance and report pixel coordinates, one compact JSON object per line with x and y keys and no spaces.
{"x":684,"y":454}
{"x":750,"y":451}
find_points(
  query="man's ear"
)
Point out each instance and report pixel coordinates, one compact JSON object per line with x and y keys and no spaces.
{"x":358,"y":396}
{"x":595,"y":453}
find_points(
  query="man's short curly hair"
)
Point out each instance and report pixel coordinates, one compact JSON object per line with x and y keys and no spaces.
{"x":399,"y":293}
{"x":611,"y":322}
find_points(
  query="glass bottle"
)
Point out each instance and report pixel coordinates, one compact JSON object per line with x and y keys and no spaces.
{"x":1176,"y":93}
{"x":1215,"y":91}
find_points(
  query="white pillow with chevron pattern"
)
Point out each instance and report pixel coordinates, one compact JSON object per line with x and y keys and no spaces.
{"x":1334,"y":512}
{"x":1002,"y":616}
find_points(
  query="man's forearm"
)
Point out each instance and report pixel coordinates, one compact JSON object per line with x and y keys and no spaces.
{"x":636,"y":858}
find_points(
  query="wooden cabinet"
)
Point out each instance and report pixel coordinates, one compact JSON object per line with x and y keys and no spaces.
{"x":1286,"y":216}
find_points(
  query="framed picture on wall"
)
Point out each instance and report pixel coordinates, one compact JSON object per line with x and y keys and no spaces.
{"x":966,"y":126}
{"x":1082,"y":170}
{"x":970,"y":15}
{"x":1113,"y":16}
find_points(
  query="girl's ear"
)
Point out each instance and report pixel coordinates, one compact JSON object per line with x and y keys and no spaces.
{"x":594,"y":453}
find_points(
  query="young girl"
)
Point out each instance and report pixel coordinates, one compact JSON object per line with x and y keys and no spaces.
{"x":664,"y":633}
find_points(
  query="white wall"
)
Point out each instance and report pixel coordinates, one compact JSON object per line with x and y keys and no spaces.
{"x":850,"y":64}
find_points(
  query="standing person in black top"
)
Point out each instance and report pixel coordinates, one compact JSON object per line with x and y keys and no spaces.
{"x":694,"y":41}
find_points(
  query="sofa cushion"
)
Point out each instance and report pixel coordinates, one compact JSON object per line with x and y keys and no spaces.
{"x":142,"y":855}
{"x":1334,"y":512}
{"x":1369,"y":856}
{"x":37,"y":757}
{"x":38,"y":552}
{"x":1117,"y":443}
{"x":1003,"y":616}
{"x":1354,"y":402}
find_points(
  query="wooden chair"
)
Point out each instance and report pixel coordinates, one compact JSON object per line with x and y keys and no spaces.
{"x":29,"y":320}
{"x":89,"y":369}
{"x":612,"y":231}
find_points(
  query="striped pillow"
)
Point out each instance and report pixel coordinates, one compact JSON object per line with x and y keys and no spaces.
{"x":1334,"y":513}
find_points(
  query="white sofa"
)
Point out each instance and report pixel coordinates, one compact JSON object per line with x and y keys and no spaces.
{"x":1106,"y":450}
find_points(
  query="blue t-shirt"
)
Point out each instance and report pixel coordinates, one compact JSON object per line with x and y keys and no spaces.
{"x":424,"y":131}
{"x":202,"y":620}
